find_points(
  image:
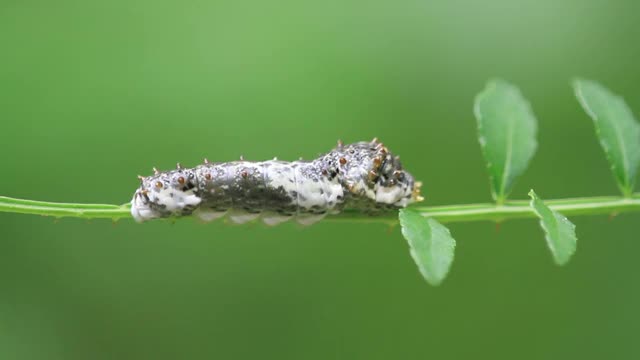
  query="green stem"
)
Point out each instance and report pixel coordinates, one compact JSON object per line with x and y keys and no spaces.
{"x":515,"y":209}
{"x":85,"y":211}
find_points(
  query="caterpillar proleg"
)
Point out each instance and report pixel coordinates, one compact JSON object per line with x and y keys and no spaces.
{"x":364,"y":176}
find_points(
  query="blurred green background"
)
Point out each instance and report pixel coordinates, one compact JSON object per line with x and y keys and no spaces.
{"x":94,"y":93}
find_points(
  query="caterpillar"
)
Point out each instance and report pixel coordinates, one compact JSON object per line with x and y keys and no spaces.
{"x":364,"y":176}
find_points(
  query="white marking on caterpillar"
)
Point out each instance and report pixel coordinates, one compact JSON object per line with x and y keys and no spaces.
{"x":273,"y":219}
{"x":364,"y":176}
{"x":208,"y":215}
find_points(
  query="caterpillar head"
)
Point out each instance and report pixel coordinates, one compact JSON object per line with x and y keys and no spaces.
{"x":370,"y":169}
{"x":165,"y":194}
{"x":393,"y":185}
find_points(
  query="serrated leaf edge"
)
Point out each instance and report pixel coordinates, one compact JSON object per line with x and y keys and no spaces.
{"x":492,"y":83}
{"x":434,"y":281}
{"x":629,"y":181}
{"x":547,"y":231}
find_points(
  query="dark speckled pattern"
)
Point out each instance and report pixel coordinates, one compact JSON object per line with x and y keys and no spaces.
{"x":363,"y":175}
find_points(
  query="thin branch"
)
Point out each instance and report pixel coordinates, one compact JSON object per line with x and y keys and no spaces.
{"x":515,"y":209}
{"x":59,"y":210}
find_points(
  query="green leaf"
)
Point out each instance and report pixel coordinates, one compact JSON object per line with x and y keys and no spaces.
{"x":430,"y":243}
{"x":507,"y":132}
{"x":560,"y":233}
{"x":618,"y":131}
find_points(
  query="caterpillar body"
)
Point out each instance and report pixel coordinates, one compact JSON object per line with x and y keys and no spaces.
{"x":364,"y":176}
